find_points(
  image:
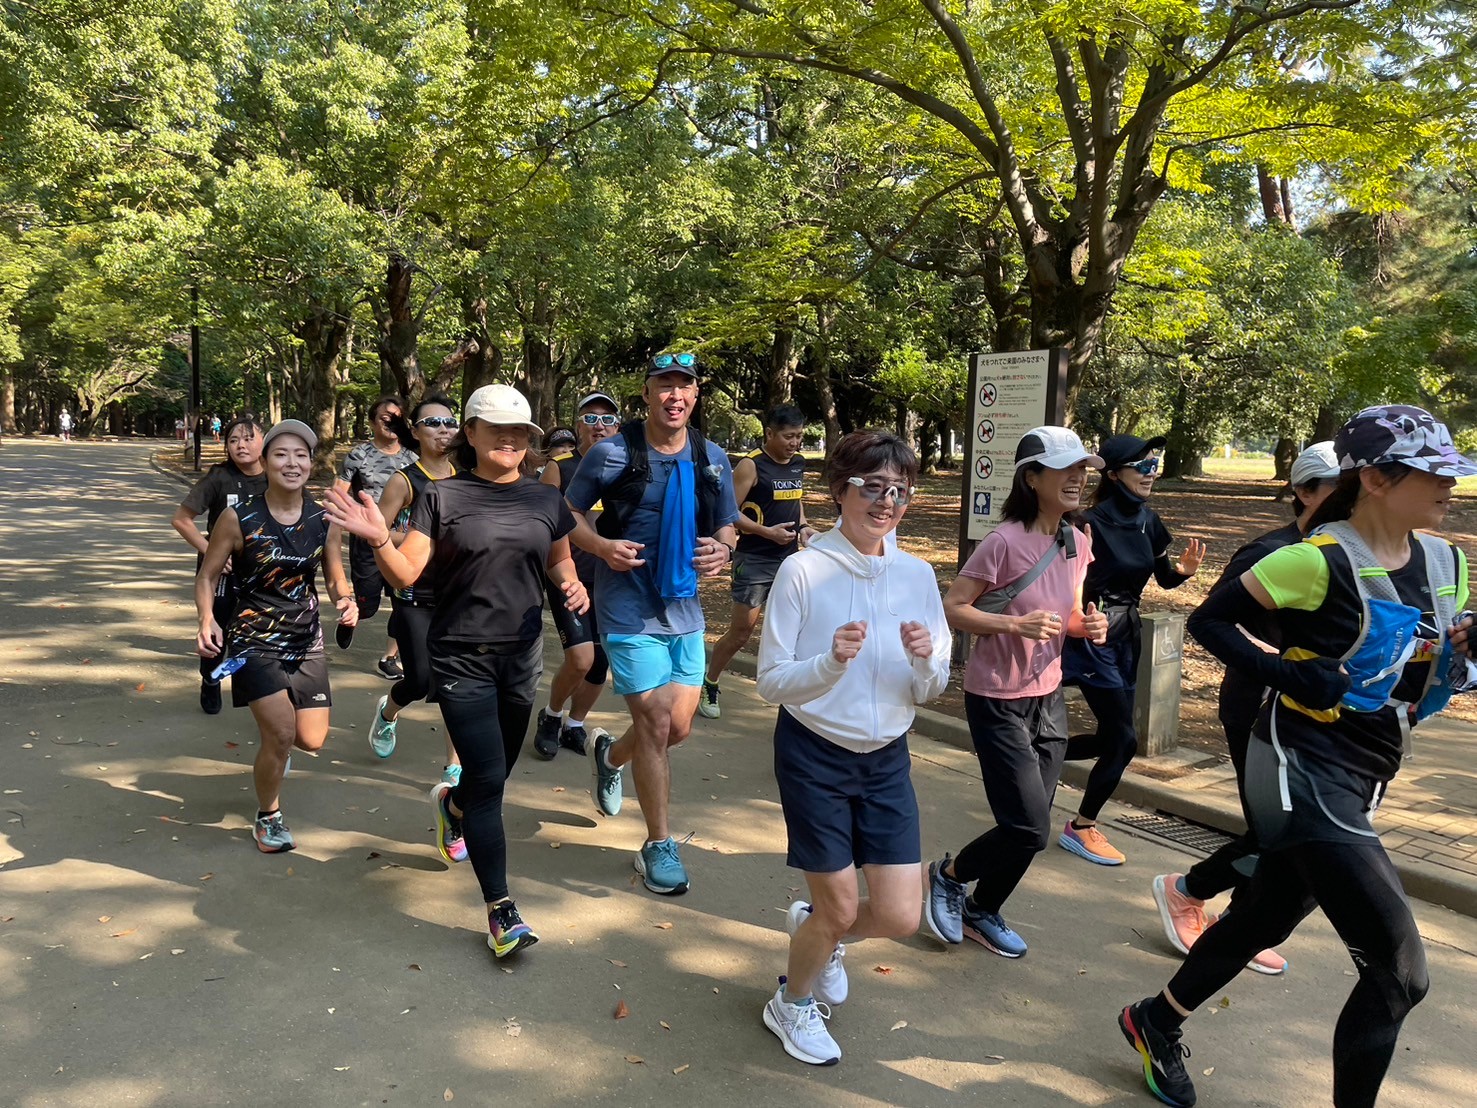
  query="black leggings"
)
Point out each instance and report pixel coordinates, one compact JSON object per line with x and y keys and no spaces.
{"x":1019,"y":744}
{"x":1230,"y":866}
{"x":1113,"y":746}
{"x":409,"y":626}
{"x":1359,"y":891}
{"x":486,"y":699}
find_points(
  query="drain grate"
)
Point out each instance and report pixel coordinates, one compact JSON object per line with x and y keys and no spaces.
{"x":1179,"y":831}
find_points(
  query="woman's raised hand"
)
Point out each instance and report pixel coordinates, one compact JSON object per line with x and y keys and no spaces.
{"x":358,"y":517}
{"x":1189,"y":563}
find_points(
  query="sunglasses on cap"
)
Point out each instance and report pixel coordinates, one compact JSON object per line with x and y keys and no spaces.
{"x":878,"y":490}
{"x":599,"y":419}
{"x":1147,"y":467}
{"x":666,"y":361}
{"x":438,"y":422}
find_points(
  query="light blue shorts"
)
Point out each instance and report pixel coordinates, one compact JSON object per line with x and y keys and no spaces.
{"x":640,"y":663}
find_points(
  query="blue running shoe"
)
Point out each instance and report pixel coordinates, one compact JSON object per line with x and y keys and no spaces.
{"x":451,"y":775}
{"x":990,"y":930}
{"x":943,"y":908}
{"x":382,"y":730}
{"x":660,"y":868}
{"x":607,"y":781}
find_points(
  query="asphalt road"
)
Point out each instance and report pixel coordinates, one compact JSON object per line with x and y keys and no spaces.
{"x":149,"y":955}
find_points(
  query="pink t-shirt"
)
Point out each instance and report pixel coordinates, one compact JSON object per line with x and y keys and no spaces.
{"x":1007,"y":666}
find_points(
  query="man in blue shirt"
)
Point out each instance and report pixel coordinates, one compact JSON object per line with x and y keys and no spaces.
{"x":650,"y":618}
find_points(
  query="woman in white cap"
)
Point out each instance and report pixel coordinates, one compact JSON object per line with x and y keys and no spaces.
{"x":1374,"y":639}
{"x":274,"y":644}
{"x":490,"y":535}
{"x":1181,"y":897}
{"x":1131,"y":545}
{"x":1020,"y":595}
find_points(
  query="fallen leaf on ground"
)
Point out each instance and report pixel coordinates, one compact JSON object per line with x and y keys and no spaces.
{"x":373,"y":854}
{"x":1225,"y":1002}
{"x":621,"y":1010}
{"x":6,"y":919}
{"x":882,"y":969}
{"x":1209,"y":1071}
{"x":616,"y":962}
{"x":558,"y":788}
{"x":415,"y":966}
{"x":205,"y":877}
{"x":665,"y":1025}
{"x":448,"y":1095}
{"x":139,"y":687}
{"x":662,"y":926}
{"x":176,"y":950}
{"x":120,"y":934}
{"x":635,"y":1059}
{"x":141,"y":957}
{"x":680,"y":1068}
{"x":289,"y":871}
{"x":339,"y":1069}
{"x":513,"y":1029}
{"x":232,"y":746}
{"x":899,"y":1025}
{"x":555,"y":846}
{"x":103,"y":919}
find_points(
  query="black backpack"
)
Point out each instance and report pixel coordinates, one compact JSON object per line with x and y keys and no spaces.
{"x":622,"y":496}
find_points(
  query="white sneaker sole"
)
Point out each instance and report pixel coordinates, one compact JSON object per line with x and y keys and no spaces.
{"x":1162,"y":900}
{"x":933,"y":926}
{"x":379,"y":714}
{"x":1072,"y":846}
{"x":660,"y":890}
{"x":772,"y":1022}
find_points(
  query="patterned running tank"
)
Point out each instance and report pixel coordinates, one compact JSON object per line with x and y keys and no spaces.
{"x":775,"y":498}
{"x":277,"y":615}
{"x":422,"y":594}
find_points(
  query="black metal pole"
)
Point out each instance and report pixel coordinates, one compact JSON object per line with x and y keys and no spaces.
{"x":195,"y":368}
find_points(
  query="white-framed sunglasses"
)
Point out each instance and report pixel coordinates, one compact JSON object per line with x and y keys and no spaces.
{"x":875,"y":490}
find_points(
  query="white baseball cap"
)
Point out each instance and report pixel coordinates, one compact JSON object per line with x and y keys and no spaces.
{"x":1054,"y":448}
{"x":1318,"y":462}
{"x":501,"y":404}
{"x":291,"y":427}
{"x":594,"y":396}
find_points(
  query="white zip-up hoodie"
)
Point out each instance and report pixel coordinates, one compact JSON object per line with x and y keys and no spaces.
{"x":867,"y":702}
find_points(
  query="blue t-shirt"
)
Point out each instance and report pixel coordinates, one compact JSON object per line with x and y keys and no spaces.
{"x":631,"y":603}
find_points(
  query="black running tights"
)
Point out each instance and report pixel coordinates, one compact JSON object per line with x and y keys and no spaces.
{"x":1359,"y":891}
{"x":409,"y":627}
{"x":1113,"y":746}
{"x":487,"y":718}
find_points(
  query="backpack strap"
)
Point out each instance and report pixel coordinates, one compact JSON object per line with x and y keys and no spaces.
{"x":997,"y":600}
{"x":621,"y":497}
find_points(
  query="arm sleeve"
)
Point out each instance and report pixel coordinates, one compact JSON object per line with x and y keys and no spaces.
{"x":352,"y":461}
{"x":563,"y":518}
{"x":1295,"y":576}
{"x":198,"y":498}
{"x":931,"y":674}
{"x":1164,"y":572}
{"x":589,"y":480}
{"x":783,"y":677}
{"x":984,"y":563}
{"x":425,"y":513}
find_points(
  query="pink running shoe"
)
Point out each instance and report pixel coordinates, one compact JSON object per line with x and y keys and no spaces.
{"x":448,"y":828}
{"x":1183,"y":916}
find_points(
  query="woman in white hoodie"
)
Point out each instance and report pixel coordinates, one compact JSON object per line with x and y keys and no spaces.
{"x":854,"y":637}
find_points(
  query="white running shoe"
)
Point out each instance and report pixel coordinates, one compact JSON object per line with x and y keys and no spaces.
{"x":831,"y":987}
{"x":802,"y":1029}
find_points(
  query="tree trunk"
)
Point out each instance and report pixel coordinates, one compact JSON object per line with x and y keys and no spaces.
{"x":324,"y":335}
{"x":7,"y":402}
{"x":541,"y":387}
{"x":1184,"y":452}
{"x":1274,"y":196}
{"x":398,"y":335}
{"x":1283,"y":455}
{"x":115,"y":418}
{"x":1327,"y":425}
{"x":927,"y":447}
{"x":783,"y":359}
{"x":825,"y":318}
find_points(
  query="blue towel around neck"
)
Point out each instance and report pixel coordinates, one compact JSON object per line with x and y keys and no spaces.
{"x":675,"y":575}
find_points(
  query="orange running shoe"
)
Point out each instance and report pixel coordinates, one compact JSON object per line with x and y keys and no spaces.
{"x":1090,"y":843}
{"x":1183,"y":916}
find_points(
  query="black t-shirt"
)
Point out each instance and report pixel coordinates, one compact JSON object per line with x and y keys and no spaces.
{"x":1130,"y":544}
{"x":775,"y":497}
{"x":491,"y":555}
{"x":223,"y":486}
{"x":277,"y":607}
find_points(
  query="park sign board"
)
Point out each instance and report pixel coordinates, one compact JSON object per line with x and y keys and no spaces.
{"x":1010,"y":393}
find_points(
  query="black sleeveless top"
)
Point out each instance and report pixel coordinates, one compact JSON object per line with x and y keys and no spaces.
{"x":775,"y":498}
{"x":277,"y":608}
{"x":422,"y":594}
{"x":584,"y":561}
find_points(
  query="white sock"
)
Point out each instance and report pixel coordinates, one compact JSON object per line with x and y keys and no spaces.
{"x":553,"y":711}
{"x":571,"y":723}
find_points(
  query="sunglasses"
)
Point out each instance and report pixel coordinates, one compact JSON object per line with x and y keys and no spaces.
{"x":599,"y":419}
{"x":437,"y":422}
{"x":666,"y":361}
{"x":1148,"y":467}
{"x":873,"y":491}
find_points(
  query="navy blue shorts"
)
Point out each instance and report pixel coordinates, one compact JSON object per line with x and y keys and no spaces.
{"x":843,"y":808}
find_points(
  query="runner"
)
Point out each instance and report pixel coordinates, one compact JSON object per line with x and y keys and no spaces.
{"x":1367,"y":609}
{"x":581,"y":678}
{"x":215,"y":427}
{"x":64,"y":424}
{"x":1131,"y":544}
{"x":274,"y":644}
{"x":225,"y":485}
{"x":369,"y":466}
{"x":1181,"y":897}
{"x":490,"y":536}
{"x":1019,"y":593}
{"x":770,"y":484}
{"x":855,"y":637}
{"x":434,"y":425}
{"x":668,"y":512}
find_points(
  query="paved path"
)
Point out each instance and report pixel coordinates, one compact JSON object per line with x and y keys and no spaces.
{"x":149,"y":955}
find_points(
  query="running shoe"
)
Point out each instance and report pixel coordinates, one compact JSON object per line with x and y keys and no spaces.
{"x":272,"y":835}
{"x":546,"y":734}
{"x":990,"y":930}
{"x":451,"y":775}
{"x":1183,"y":916}
{"x":943,"y":907}
{"x":801,"y":1029}
{"x":210,"y":696}
{"x":607,"y":780}
{"x":508,"y":932}
{"x":660,"y":868}
{"x":1163,"y":1055}
{"x":1090,"y":843}
{"x":707,"y":705}
{"x":831,"y":986}
{"x":390,"y":668}
{"x":449,"y":839}
{"x":382,"y":730}
{"x":1268,"y":961}
{"x":343,"y":634}
{"x":574,"y":738}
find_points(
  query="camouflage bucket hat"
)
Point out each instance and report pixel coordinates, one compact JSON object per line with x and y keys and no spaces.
{"x":1400,"y":433}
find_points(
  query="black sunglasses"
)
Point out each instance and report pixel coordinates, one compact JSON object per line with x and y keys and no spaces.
{"x":437,"y":421}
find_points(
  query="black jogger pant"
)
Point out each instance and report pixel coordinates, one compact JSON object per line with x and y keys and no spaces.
{"x":1113,"y":745}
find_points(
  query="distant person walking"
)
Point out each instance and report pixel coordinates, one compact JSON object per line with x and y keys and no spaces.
{"x":368,"y":467}
{"x":1130,"y":545}
{"x":215,"y":428}
{"x":226,"y":484}
{"x":667,"y":517}
{"x":64,"y":424}
{"x":273,"y":643}
{"x":769,"y":486}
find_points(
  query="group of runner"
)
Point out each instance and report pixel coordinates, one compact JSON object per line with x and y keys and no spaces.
{"x":1334,"y":647}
